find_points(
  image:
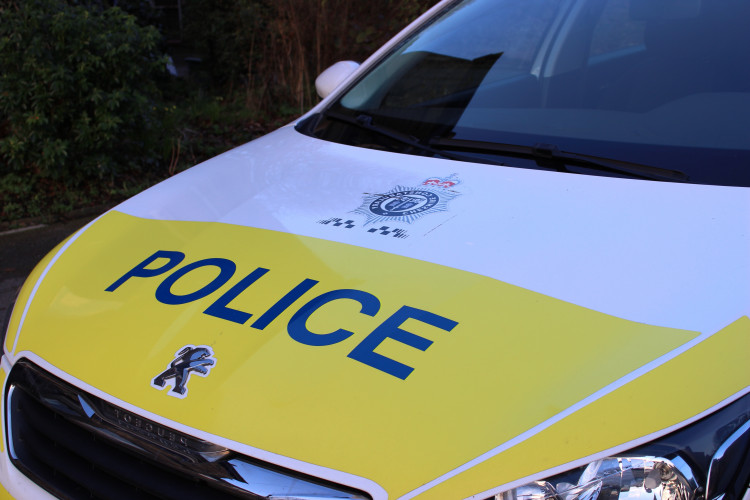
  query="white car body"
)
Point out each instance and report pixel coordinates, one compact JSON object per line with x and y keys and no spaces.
{"x":512,"y":325}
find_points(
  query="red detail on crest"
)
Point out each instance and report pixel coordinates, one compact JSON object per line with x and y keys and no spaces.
{"x":439,"y":183}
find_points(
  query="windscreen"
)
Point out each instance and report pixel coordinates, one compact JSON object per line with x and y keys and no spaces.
{"x":664,"y":83}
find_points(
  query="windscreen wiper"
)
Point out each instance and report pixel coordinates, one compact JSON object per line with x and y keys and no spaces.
{"x":549,"y":155}
{"x":365,"y":122}
{"x":546,"y":155}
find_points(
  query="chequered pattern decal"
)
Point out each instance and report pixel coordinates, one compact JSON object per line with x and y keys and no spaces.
{"x":401,"y":205}
{"x":350,"y":224}
{"x":385,"y":231}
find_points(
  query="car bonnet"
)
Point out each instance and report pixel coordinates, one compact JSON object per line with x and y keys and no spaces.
{"x":409,"y":326}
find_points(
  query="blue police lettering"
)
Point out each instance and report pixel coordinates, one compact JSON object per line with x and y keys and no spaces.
{"x":297,"y":327}
{"x":389,"y":329}
{"x":142,"y":271}
{"x":283,"y":304}
{"x":219,"y":308}
{"x":164,"y":291}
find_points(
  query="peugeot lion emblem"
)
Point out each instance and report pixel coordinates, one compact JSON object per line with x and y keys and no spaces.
{"x":190,"y":359}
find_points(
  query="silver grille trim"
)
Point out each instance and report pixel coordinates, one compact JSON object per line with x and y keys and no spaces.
{"x":40,"y":406}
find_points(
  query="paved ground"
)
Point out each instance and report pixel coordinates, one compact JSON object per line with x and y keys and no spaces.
{"x":20,"y":250}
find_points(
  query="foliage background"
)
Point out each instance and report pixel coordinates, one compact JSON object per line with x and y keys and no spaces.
{"x":89,"y":114}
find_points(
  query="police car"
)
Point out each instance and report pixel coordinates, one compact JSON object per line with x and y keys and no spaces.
{"x":507,"y":257}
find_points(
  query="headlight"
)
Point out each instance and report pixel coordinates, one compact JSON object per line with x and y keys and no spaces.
{"x":709,"y":459}
{"x":635,"y":478}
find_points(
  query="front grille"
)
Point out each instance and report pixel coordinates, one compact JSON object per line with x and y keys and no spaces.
{"x":78,"y":446}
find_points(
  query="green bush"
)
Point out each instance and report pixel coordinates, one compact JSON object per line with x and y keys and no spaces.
{"x":79,"y":101}
{"x":274,"y":49}
{"x":81,"y":118}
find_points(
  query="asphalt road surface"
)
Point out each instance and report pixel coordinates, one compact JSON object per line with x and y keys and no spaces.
{"x":20,"y":250}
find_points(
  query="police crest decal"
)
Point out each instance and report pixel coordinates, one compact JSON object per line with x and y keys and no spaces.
{"x":407,"y":204}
